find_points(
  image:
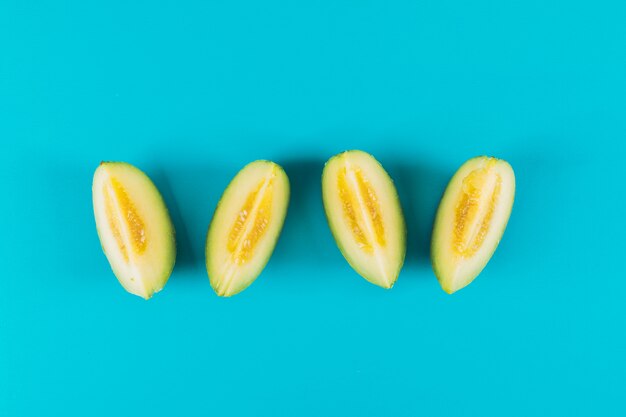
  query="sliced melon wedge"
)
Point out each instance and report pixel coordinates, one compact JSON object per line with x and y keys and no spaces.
{"x":134,"y":227}
{"x":365,"y":216}
{"x":471,"y":219}
{"x":245,"y":226}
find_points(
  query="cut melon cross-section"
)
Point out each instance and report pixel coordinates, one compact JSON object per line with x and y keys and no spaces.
{"x":134,"y":227}
{"x":471,"y":219}
{"x":364,"y":215}
{"x":246,"y":226}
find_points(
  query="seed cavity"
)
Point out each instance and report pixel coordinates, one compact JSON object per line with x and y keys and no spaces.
{"x":474,"y":211}
{"x":123,"y":217}
{"x":252,"y":222}
{"x":359,"y":203}
{"x":373,"y":208}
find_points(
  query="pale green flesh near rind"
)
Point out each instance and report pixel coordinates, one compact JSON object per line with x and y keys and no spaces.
{"x":134,"y":227}
{"x":365,"y":216}
{"x":245,"y":226}
{"x":471,"y":219}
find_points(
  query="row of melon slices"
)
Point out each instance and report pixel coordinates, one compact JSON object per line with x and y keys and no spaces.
{"x":362,"y":208}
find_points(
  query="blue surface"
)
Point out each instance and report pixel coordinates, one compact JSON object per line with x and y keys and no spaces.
{"x":191,"y":91}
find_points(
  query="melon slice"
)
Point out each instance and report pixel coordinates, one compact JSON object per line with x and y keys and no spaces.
{"x":134,"y":227}
{"x":246,"y":226}
{"x":365,"y":216}
{"x":471,"y":219}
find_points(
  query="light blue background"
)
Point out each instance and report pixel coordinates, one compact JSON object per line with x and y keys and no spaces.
{"x":190,"y":91}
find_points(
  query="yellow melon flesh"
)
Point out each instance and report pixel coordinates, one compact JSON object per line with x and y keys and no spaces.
{"x":471,"y":219}
{"x":134,"y":227}
{"x":364,"y":215}
{"x":246,"y":226}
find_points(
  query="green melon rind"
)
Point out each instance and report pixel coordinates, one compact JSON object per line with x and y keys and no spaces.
{"x":354,"y":264}
{"x":274,"y":242}
{"x":170,"y":256}
{"x":446,"y":200}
